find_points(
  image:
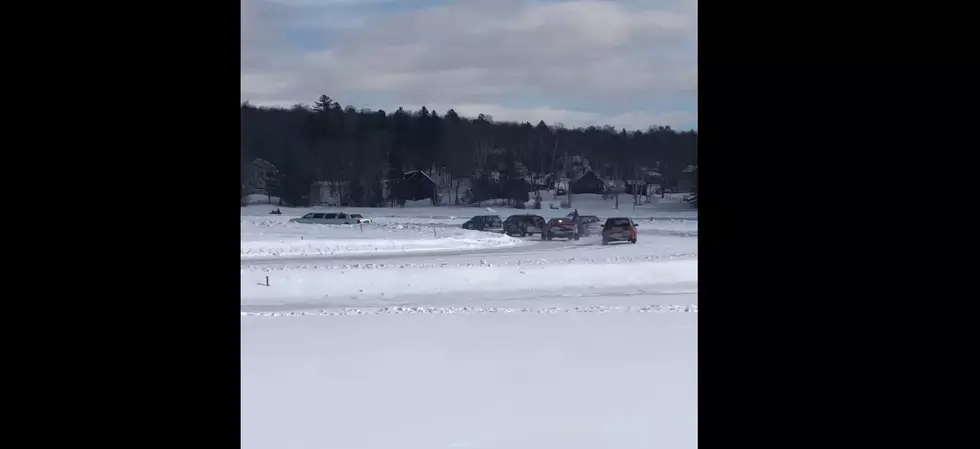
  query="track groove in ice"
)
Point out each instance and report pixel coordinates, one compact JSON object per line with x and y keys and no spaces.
{"x":422,"y":310}
{"x":483,"y":263}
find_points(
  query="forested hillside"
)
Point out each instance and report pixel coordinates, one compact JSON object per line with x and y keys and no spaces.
{"x":369,"y":151}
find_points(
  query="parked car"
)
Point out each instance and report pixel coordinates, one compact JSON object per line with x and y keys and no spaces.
{"x":523,"y":225}
{"x":588,"y":225}
{"x":619,"y":229}
{"x":334,"y":218}
{"x":564,"y":228}
{"x":486,"y":223}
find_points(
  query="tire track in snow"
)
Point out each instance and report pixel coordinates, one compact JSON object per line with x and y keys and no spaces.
{"x":327,"y":265}
{"x":421,"y":310}
{"x":529,"y":247}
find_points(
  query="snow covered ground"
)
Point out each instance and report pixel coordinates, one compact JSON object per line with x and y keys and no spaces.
{"x":486,"y":380}
{"x":670,"y":207}
{"x":274,"y":237}
{"x":355,"y":341}
{"x":460,"y":285}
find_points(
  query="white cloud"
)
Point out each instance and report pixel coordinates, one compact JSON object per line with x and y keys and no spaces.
{"x":618,"y":57}
{"x":327,"y":2}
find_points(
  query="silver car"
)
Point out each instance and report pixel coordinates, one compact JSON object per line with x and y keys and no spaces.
{"x":334,"y":218}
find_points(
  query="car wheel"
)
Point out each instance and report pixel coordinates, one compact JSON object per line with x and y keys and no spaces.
{"x":605,"y":242}
{"x":633,"y":241}
{"x":543,"y":237}
{"x":576,"y":237}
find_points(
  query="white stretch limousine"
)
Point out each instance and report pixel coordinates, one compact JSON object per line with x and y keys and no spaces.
{"x":331,"y":218}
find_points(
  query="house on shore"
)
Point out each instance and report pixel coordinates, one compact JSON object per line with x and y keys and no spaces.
{"x":414,"y":185}
{"x":588,"y":182}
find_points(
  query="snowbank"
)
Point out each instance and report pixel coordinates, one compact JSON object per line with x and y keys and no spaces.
{"x":255,"y":199}
{"x":274,"y":236}
{"x":423,"y":221}
{"x":391,"y":283}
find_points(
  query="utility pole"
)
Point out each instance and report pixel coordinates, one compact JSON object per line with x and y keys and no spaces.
{"x":616,"y":184}
{"x":637,"y":177}
{"x":568,"y":181}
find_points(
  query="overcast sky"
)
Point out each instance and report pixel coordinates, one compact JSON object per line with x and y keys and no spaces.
{"x":626,"y":63}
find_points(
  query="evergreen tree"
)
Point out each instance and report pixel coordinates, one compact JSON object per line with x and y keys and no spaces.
{"x":365,"y":153}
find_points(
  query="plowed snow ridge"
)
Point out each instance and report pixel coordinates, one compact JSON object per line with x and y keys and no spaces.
{"x":278,"y":238}
{"x":690,"y":308}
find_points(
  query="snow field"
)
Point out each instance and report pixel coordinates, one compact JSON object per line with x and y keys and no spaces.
{"x":462,"y":281}
{"x":587,"y":204}
{"x":265,"y":236}
{"x":676,"y":226}
{"x":276,"y":237}
{"x":397,"y":310}
{"x":526,"y":344}
{"x":483,"y":380}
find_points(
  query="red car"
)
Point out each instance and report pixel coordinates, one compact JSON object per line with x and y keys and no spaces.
{"x":564,"y":228}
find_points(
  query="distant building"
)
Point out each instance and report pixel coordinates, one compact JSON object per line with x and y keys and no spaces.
{"x":257,"y":176}
{"x":587,"y":182}
{"x":687,"y":179}
{"x":415,"y":185}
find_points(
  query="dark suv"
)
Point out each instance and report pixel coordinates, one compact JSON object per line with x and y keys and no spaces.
{"x":488,"y":223}
{"x":619,"y":229}
{"x":523,"y":225}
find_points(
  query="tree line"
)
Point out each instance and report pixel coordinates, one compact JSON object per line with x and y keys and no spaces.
{"x":369,"y":151}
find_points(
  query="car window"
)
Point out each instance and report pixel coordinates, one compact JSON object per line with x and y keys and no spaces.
{"x":495,"y":221}
{"x":342,"y":216}
{"x":618,"y":222}
{"x":308,"y":215}
{"x":330,"y":216}
{"x":317,"y":216}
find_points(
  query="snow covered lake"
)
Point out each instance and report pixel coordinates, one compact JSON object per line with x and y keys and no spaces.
{"x":389,"y":338}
